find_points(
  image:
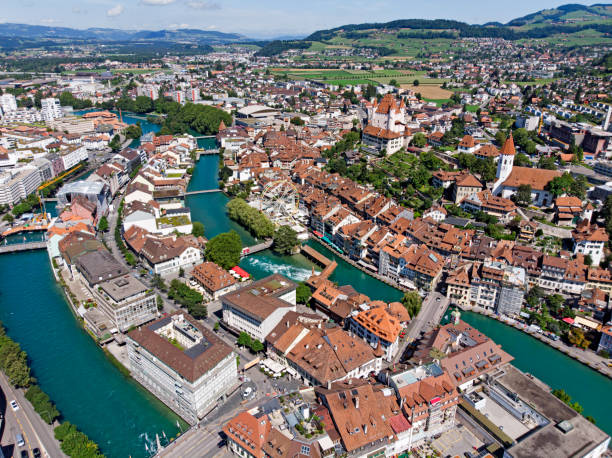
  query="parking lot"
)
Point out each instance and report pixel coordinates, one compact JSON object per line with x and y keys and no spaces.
{"x":456,"y":442}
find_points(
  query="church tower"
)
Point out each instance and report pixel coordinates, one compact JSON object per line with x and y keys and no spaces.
{"x":504,"y":164}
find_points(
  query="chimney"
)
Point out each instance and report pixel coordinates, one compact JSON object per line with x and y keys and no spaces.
{"x":365,"y":429}
{"x":287,"y":323}
{"x":356,"y":399}
{"x":329,"y":384}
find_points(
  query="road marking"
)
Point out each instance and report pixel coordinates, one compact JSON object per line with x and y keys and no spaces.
{"x":23,"y":432}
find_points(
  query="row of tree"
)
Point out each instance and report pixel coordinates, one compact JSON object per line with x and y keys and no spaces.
{"x":189,"y":298}
{"x":14,"y":363}
{"x":254,"y":220}
{"x":245,"y":340}
{"x":75,"y":443}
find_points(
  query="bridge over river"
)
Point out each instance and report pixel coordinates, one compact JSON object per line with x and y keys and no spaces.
{"x":15,"y":247}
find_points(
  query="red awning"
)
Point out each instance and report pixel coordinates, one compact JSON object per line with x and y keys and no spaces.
{"x":243,"y":273}
{"x":568,"y":320}
{"x":435,"y":400}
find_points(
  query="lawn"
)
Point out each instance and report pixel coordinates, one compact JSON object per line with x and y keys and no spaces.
{"x":438,"y":102}
{"x":472,"y":108}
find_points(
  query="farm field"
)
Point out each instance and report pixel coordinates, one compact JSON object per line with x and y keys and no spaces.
{"x":352,"y":77}
{"x":429,"y":91}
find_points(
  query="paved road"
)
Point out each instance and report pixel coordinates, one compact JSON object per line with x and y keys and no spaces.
{"x":25,"y":421}
{"x":430,"y":315}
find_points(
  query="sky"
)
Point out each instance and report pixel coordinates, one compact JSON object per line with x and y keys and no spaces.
{"x":257,"y":18}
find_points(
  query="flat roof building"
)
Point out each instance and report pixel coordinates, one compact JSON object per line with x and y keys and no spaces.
{"x":184,"y":364}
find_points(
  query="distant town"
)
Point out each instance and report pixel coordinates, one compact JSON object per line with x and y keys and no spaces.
{"x":288,"y":245}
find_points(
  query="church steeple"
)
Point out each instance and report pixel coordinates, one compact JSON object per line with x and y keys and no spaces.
{"x":504,"y":164}
{"x":508,"y":149}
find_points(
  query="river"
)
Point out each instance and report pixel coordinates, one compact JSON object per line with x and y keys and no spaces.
{"x":586,"y":386}
{"x":122,"y":417}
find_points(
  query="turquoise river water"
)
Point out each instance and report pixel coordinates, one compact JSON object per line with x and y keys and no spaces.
{"x":123,"y":418}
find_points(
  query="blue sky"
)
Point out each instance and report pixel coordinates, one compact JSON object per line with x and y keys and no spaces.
{"x":256,"y":18}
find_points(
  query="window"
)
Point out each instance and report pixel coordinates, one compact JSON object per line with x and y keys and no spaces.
{"x":305,"y":450}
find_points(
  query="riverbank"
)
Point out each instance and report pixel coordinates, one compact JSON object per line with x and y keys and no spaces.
{"x":113,"y":410}
{"x":572,"y":352}
{"x":369,"y":272}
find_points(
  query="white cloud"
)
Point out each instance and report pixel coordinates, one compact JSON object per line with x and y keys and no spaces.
{"x":115,"y":10}
{"x":157,"y":2}
{"x":178,"y":26}
{"x":203,"y":5}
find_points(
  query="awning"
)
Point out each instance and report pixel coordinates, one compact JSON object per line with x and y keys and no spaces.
{"x":568,"y":320}
{"x":243,"y":273}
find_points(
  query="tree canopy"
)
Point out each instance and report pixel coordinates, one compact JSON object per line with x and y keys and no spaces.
{"x":224,"y":249}
{"x":285,"y":240}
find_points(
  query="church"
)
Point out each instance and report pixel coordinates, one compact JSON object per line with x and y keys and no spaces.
{"x":386,"y":125}
{"x":510,"y":177}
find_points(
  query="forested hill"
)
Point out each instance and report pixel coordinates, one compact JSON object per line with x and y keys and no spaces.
{"x":542,"y":24}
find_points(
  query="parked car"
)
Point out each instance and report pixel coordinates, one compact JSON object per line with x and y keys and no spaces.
{"x":19,"y":440}
{"x":36,"y":453}
{"x":14,"y":405}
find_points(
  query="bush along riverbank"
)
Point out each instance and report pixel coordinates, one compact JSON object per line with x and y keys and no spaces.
{"x":14,"y":364}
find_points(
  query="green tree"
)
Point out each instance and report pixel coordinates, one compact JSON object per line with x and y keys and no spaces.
{"x":285,"y":240}
{"x":412,"y":301}
{"x":256,"y":346}
{"x":115,"y":143}
{"x":534,"y":295}
{"x":216,"y":327}
{"x":302,"y":293}
{"x":244,"y":340}
{"x":523,"y":195}
{"x":297,"y":121}
{"x":160,"y":303}
{"x":588,"y":260}
{"x":103,"y":224}
{"x":42,"y":404}
{"x":416,"y":83}
{"x":254,"y":220}
{"x":224,"y":249}
{"x":547,"y":162}
{"x":500,"y":137}
{"x":419,"y":140}
{"x":522,"y":160}
{"x":559,"y":186}
{"x":198,"y":229}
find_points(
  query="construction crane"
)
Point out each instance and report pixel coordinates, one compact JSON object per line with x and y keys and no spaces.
{"x":49,"y":183}
{"x":540,"y":123}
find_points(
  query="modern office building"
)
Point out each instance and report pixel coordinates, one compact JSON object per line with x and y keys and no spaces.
{"x":185,"y":365}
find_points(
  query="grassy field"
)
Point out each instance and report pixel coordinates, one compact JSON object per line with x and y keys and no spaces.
{"x":472,"y":108}
{"x":438,"y":102}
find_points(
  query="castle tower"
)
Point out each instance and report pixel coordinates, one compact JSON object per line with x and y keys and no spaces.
{"x":505,"y":164}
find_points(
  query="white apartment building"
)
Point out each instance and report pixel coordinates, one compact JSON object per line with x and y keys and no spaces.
{"x":72,"y":156}
{"x":8,"y":103}
{"x":257,"y":308}
{"x":51,"y":109}
{"x":185,"y":365}
{"x":14,"y":187}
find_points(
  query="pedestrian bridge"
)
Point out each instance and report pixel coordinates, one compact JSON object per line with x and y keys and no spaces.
{"x":246,"y":251}
{"x":15,"y":247}
{"x":206,"y":191}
